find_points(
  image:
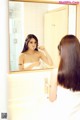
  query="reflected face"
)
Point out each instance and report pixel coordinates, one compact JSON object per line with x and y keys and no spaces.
{"x":32,"y":44}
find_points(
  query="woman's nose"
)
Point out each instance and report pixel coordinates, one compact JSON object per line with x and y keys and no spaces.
{"x":34,"y":44}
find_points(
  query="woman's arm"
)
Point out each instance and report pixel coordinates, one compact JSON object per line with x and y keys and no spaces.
{"x":53,"y":86}
{"x":45,"y":56}
{"x":21,"y":62}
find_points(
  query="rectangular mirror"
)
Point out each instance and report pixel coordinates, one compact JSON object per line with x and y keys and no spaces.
{"x":49,"y":22}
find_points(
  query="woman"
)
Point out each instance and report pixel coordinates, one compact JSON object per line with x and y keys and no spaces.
{"x":65,"y":86}
{"x":30,"y":57}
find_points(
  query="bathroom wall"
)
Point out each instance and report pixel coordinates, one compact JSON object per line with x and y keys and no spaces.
{"x":4,"y":56}
{"x":26,"y":94}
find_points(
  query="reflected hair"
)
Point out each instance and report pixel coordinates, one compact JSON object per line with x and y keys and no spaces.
{"x":69,"y":67}
{"x":29,"y":37}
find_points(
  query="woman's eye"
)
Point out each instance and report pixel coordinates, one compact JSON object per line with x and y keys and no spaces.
{"x":33,"y":42}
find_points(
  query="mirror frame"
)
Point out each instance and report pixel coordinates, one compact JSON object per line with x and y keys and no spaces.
{"x":49,"y":1}
{"x":41,"y":1}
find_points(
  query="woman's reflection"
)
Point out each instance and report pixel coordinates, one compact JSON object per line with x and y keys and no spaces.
{"x":32,"y":56}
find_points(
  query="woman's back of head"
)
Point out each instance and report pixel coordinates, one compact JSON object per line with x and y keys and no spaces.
{"x":69,"y":67}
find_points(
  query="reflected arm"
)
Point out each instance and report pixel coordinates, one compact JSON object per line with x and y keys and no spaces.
{"x":21,"y":62}
{"x":46,"y":57}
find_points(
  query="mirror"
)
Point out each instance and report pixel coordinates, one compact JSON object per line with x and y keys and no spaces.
{"x":49,"y":22}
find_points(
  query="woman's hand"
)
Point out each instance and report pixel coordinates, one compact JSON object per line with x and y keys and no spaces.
{"x":41,"y":47}
{"x":45,"y":56}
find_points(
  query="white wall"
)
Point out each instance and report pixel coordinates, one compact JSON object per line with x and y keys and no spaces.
{"x":33,"y":19}
{"x":27,"y":94}
{"x":72,"y":20}
{"x":3,"y":55}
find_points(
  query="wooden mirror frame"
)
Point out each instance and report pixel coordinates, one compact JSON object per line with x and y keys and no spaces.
{"x":40,"y":1}
{"x":49,"y":1}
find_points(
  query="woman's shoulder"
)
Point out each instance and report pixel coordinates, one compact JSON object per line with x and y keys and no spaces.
{"x":54,"y":74}
{"x":38,"y":53}
{"x":22,"y":55}
{"x":55,"y":71}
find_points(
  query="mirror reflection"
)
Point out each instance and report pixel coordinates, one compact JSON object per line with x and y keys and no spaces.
{"x":31,"y":55}
{"x":39,"y":27}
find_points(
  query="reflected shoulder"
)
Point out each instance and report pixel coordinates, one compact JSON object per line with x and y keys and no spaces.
{"x":40,"y":53}
{"x":21,"y":54}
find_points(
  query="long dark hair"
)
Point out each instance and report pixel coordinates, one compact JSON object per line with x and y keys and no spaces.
{"x":69,"y":67}
{"x":29,"y":37}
